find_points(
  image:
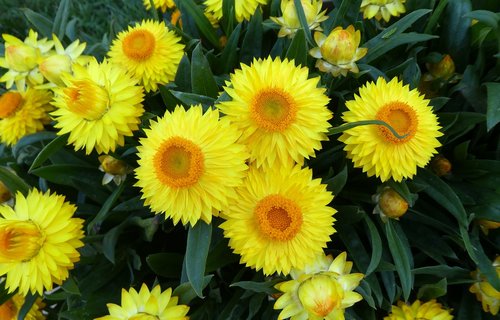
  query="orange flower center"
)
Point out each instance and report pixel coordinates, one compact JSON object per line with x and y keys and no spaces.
{"x":9,"y":103}
{"x":278,"y":218}
{"x":87,"y":99}
{"x":401,"y":117}
{"x":19,"y":240}
{"x":8,"y":310}
{"x":179,"y":162}
{"x":273,"y":110}
{"x":320,"y":295}
{"x":139,"y":45}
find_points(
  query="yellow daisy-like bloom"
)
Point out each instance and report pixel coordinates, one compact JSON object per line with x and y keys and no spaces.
{"x":160,"y":4}
{"x":99,"y":106}
{"x":23,"y":113}
{"x":283,"y":115}
{"x":281,"y":219}
{"x":244,"y":9}
{"x":374,"y":148}
{"x":338,"y":53}
{"x":147,"y":305}
{"x":149,"y":51}
{"x":382,"y":9}
{"x":21,"y":58}
{"x":190,"y":164}
{"x":39,"y":239}
{"x":10,"y":309}
{"x":430,"y":310}
{"x":322,"y":291}
{"x":289,"y":21}
{"x":485,"y":292}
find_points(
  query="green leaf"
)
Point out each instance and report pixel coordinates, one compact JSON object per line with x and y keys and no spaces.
{"x":31,"y":139}
{"x":469,"y":307}
{"x":202,"y":79}
{"x":186,"y":292}
{"x":40,"y":22}
{"x":190,"y":99}
{"x":433,"y":290}
{"x":49,"y":149}
{"x":13,"y":182}
{"x":401,"y":255}
{"x":70,"y":286}
{"x":229,"y":56}
{"x":342,"y":10}
{"x":251,"y":46}
{"x":483,"y":262}
{"x":455,"y":31}
{"x":298,"y":49}
{"x":202,"y":22}
{"x":303,"y":21}
{"x":433,"y":21}
{"x":61,"y":19}
{"x":487,"y":17}
{"x":95,"y":224}
{"x":29,"y":300}
{"x":337,"y":183}
{"x":376,"y":243}
{"x":198,"y":244}
{"x":258,"y":287}
{"x":166,"y":264}
{"x":183,"y":75}
{"x":443,"y":271}
{"x":493,"y":111}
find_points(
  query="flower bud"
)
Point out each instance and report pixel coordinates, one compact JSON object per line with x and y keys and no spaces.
{"x":392,"y":204}
{"x":443,"y":69}
{"x":54,"y":66}
{"x":21,"y":57}
{"x":487,"y":225}
{"x":112,"y":165}
{"x":5,"y":194}
{"x":441,"y":166}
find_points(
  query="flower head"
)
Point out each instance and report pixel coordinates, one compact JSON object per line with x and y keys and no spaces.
{"x":160,"y":4}
{"x":382,"y":9}
{"x":289,"y":21}
{"x":374,"y":148}
{"x":281,"y":219}
{"x":147,"y":305}
{"x":390,"y":204}
{"x":429,"y":310}
{"x":338,"y":52}
{"x":39,"y":239}
{"x":244,"y":9}
{"x":485,"y":292}
{"x":190,"y":164}
{"x":149,"y":51}
{"x":322,"y":291}
{"x":283,"y":115}
{"x":23,"y":113}
{"x":9,"y":310}
{"x":99,"y":106}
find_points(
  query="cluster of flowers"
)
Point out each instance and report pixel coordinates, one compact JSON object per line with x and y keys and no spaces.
{"x":246,"y":166}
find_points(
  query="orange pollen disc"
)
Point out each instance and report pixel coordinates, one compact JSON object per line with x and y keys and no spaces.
{"x":19,"y":241}
{"x":401,"y":117}
{"x":273,"y":109}
{"x":9,"y":103}
{"x":86,"y":99}
{"x":278,"y":218}
{"x":139,"y":45}
{"x":179,"y":162}
{"x":8,"y":310}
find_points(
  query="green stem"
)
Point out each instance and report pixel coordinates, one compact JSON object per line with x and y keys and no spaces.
{"x":351,"y":125}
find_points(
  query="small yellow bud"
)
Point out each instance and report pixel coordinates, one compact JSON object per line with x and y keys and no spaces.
{"x":392,"y":204}
{"x":21,"y":57}
{"x":289,"y":21}
{"x":441,"y":166}
{"x":5,"y":194}
{"x":112,"y":165}
{"x":443,"y":69}
{"x":54,"y":66}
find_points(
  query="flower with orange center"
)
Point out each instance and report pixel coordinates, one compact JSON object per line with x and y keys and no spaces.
{"x":289,"y":21}
{"x":150,"y":52}
{"x":243,"y":9}
{"x":39,"y":239}
{"x":160,"y":4}
{"x":374,"y":148}
{"x":430,"y":310}
{"x":338,"y":52}
{"x":9,"y":310}
{"x":322,"y":290}
{"x":190,"y":164}
{"x":98,"y":107}
{"x":282,"y":114}
{"x":23,"y":113}
{"x":382,"y":9}
{"x":485,"y":292}
{"x":281,"y":219}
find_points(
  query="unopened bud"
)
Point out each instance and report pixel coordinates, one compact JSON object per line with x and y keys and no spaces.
{"x":392,"y":204}
{"x":441,"y":166}
{"x":21,"y":57}
{"x":112,"y":165}
{"x":443,"y":69}
{"x":54,"y":66}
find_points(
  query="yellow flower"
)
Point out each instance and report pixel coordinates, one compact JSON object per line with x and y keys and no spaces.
{"x":289,"y":21}
{"x":21,"y":58}
{"x":244,"y":9}
{"x":160,"y":4}
{"x":113,"y":169}
{"x":281,"y":219}
{"x":322,"y":291}
{"x":23,"y":113}
{"x":9,"y":310}
{"x":99,"y":106}
{"x":39,"y":239}
{"x":486,"y":225}
{"x":147,"y":305}
{"x":190,"y":164}
{"x":374,"y":148}
{"x":390,"y":204}
{"x":489,"y":296}
{"x":430,"y":310}
{"x":283,"y":115}
{"x":382,"y":9}
{"x":338,"y":53}
{"x":149,"y":51}
{"x":444,"y":69}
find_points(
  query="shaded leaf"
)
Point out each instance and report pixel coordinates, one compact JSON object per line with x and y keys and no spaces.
{"x":198,"y":243}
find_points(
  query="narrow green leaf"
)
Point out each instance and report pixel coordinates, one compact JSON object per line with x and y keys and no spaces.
{"x":202,"y":22}
{"x":198,"y":244}
{"x":483,"y":262}
{"x":41,"y":23}
{"x":111,"y":238}
{"x":303,"y":21}
{"x":376,"y":243}
{"x":166,"y":264}
{"x":228,"y":17}
{"x":229,"y":56}
{"x":342,"y":10}
{"x":70,"y":286}
{"x":202,"y":79}
{"x":61,"y":19}
{"x":455,"y":31}
{"x":183,"y":75}
{"x":469,"y":307}
{"x":387,"y":45}
{"x":493,"y":111}
{"x":401,"y":255}
{"x":443,"y":271}
{"x":29,"y":300}
{"x":298,"y":49}
{"x":258,"y":287}
{"x":94,"y":225}
{"x":13,"y":182}
{"x":186,"y":292}
{"x":251,"y":46}
{"x":337,"y":183}
{"x":169,"y":100}
{"x":433,"y":290}
{"x":189,"y":99}
{"x":433,"y":20}
{"x":31,"y":139}
{"x":49,"y":149}
{"x":489,"y":18}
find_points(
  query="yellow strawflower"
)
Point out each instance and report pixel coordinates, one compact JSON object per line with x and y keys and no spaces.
{"x":338,"y":52}
{"x":98,"y":107}
{"x":147,"y":305}
{"x":489,"y":296}
{"x":282,"y":114}
{"x":23,"y":113}
{"x":39,"y":239}
{"x":487,"y":225}
{"x":430,"y":310}
{"x":9,"y":310}
{"x":244,"y":9}
{"x":149,"y":51}
{"x":114,"y":169}
{"x":374,"y":148}
{"x":382,"y":9}
{"x":190,"y":164}
{"x":289,"y":20}
{"x":160,"y":4}
{"x":281,"y":219}
{"x":323,"y":290}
